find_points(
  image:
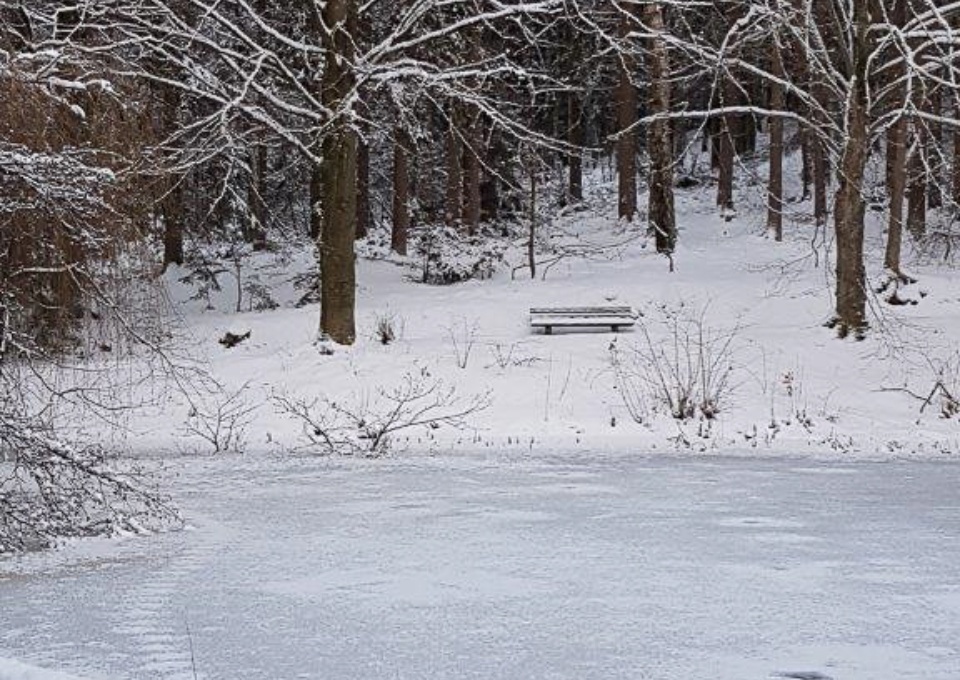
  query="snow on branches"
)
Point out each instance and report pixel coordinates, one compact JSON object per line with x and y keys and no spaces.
{"x":51,"y":489}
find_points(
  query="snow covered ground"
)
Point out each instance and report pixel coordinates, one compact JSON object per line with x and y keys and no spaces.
{"x":510,"y":566}
{"x":795,"y":388}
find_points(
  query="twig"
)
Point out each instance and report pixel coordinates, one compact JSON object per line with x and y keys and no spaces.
{"x":938,"y":386}
{"x":193,"y":658}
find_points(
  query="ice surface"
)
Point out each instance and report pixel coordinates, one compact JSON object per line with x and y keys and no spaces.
{"x":15,"y":670}
{"x":508,"y":567}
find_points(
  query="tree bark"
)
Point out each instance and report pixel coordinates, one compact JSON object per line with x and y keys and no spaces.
{"x":316,"y":201}
{"x":498,"y":156}
{"x":172,"y":211}
{"x":821,"y":180}
{"x":896,"y":162}
{"x":918,"y":175}
{"x":364,"y":216}
{"x":401,"y":193}
{"x":171,"y":207}
{"x":917,"y":180}
{"x":454,"y":194}
{"x":806,"y":164}
{"x":531,"y":238}
{"x":775,"y":180}
{"x":256,"y":198}
{"x":918,"y":168}
{"x":575,"y":138}
{"x":626,"y":125}
{"x":661,"y":218}
{"x":956,"y":158}
{"x":849,"y":207}
{"x":896,"y":170}
{"x":935,"y":150}
{"x":472,"y":173}
{"x":359,"y":29}
{"x":725,"y":159}
{"x":726,"y":152}
{"x":819,"y":166}
{"x":339,"y":179}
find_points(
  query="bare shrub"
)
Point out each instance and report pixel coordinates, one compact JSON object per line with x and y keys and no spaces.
{"x":941,"y":242}
{"x":259,"y":296}
{"x":220,"y":418}
{"x":629,"y":384}
{"x":686,"y":370}
{"x":365,"y":425}
{"x":943,"y":386}
{"x":785,"y":392}
{"x":510,"y":356}
{"x":387,"y":328}
{"x":463,"y":338}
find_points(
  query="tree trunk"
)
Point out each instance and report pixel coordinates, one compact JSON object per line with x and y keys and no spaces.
{"x":497,"y":159}
{"x":66,"y":296}
{"x":172,"y":210}
{"x":896,"y":162}
{"x":626,"y":126}
{"x":338,"y":276}
{"x":316,"y":201}
{"x":806,"y":164}
{"x":821,"y":180}
{"x":935,"y":150}
{"x":339,"y":180}
{"x":364,"y":216}
{"x":956,"y":158}
{"x":725,"y":163}
{"x":359,"y":28}
{"x":472,"y":174}
{"x":775,"y":180}
{"x":170,"y":204}
{"x":575,"y":138}
{"x":256,"y":198}
{"x":819,"y":166}
{"x":453,"y":207}
{"x":661,"y":219}
{"x":726,"y":152}
{"x":851,"y":298}
{"x":401,"y":193}
{"x":917,"y":180}
{"x":896,"y":171}
{"x":918,"y":168}
{"x":918,"y":176}
{"x":531,"y":239}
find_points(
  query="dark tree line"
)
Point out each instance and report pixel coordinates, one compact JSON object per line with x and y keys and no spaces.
{"x":250,"y":122}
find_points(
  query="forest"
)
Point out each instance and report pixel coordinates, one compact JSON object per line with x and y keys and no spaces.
{"x":140,"y":137}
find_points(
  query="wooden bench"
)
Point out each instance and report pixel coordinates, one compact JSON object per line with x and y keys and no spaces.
{"x":549,"y":318}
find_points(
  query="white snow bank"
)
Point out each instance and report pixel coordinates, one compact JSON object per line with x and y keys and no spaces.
{"x":15,"y":670}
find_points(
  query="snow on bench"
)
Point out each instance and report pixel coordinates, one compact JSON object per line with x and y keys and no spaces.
{"x":582,"y":317}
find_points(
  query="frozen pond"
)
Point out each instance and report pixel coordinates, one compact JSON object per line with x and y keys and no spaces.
{"x":490,"y":568}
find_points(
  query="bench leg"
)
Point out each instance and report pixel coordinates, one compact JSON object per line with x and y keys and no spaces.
{"x":616,"y":329}
{"x":548,"y":330}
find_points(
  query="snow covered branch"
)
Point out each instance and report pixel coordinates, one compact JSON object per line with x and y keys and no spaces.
{"x":51,"y":489}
